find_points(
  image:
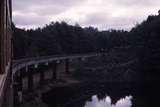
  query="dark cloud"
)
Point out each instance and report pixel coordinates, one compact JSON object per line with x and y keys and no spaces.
{"x":104,"y":14}
{"x":38,"y":12}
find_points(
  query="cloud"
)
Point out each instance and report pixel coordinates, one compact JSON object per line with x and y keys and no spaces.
{"x":136,"y":2}
{"x":104,"y":14}
{"x":32,"y":20}
{"x":47,"y":5}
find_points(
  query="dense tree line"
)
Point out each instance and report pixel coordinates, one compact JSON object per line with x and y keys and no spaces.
{"x":62,"y":38}
{"x":146,"y":38}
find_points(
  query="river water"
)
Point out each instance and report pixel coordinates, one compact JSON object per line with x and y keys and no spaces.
{"x":103,"y":95}
{"x":107,"y":102}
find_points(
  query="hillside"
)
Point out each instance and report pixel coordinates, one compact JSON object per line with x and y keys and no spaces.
{"x":62,"y":38}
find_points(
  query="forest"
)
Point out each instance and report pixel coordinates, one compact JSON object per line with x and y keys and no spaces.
{"x":60,"y":38}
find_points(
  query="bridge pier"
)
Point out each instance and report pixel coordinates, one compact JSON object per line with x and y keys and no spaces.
{"x":20,"y":86}
{"x":17,"y":89}
{"x":54,"y":70}
{"x":67,"y":66}
{"x":83,"y":59}
{"x":30,"y":78}
{"x":42,"y":69}
{"x":15,"y":95}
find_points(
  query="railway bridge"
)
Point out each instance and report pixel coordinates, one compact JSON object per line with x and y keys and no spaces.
{"x":31,"y":66}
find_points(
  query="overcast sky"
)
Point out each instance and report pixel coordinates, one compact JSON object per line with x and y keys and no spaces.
{"x":103,"y":14}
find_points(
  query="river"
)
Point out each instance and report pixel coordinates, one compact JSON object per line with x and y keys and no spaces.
{"x":103,"y":95}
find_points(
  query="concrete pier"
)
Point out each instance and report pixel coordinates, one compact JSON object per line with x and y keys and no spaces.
{"x":54,"y":70}
{"x":67,"y":66}
{"x":30,"y":78}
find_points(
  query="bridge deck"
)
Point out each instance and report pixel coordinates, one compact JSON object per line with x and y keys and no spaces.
{"x":19,"y":64}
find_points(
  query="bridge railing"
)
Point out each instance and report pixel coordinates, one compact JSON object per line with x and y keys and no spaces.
{"x":18,"y":64}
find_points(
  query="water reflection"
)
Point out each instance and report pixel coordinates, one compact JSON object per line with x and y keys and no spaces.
{"x":107,"y":102}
